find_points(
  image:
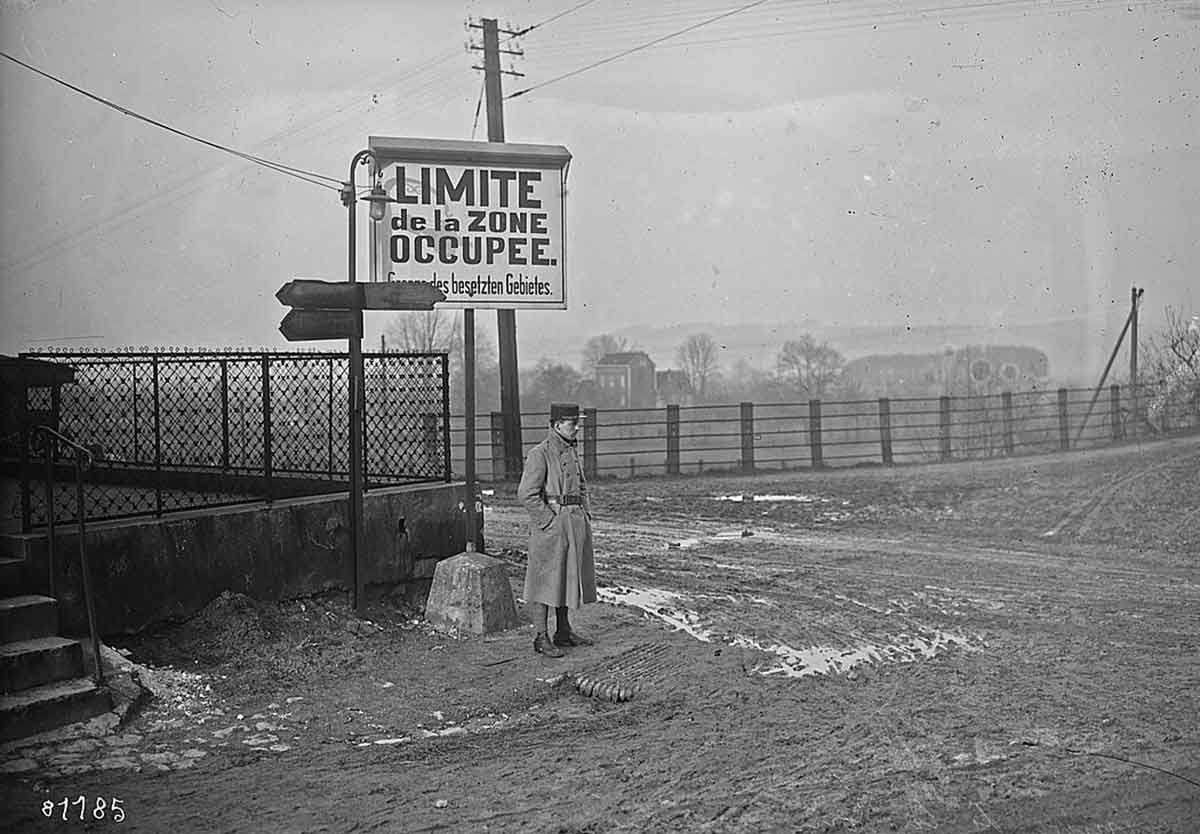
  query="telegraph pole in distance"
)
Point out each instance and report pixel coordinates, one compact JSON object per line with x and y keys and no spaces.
{"x":506,"y":320}
{"x":1135,"y":295}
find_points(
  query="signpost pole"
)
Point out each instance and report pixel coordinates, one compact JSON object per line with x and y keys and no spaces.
{"x":356,"y":402}
{"x":469,"y":426}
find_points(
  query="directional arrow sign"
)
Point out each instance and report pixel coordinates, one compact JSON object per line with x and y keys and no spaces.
{"x":401,"y":295}
{"x":312,"y":325}
{"x":342,"y":295}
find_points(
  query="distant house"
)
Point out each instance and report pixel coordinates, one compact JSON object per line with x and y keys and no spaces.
{"x":897,"y":374}
{"x":674,"y":388}
{"x":626,"y":380}
{"x":984,"y":368}
{"x":976,"y":369}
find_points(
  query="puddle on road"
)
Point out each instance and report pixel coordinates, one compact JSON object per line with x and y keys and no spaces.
{"x":775,"y":498}
{"x":658,"y":603}
{"x":830,"y":509}
{"x":792,"y":662}
{"x":725,"y":536}
{"x":821,"y":660}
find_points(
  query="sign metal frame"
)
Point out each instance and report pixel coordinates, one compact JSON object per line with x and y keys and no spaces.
{"x":488,"y":156}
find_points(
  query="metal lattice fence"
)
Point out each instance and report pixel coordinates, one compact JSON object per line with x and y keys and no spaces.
{"x":181,"y":431}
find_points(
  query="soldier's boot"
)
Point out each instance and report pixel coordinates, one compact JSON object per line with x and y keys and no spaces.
{"x":542,"y":644}
{"x":563,"y":634}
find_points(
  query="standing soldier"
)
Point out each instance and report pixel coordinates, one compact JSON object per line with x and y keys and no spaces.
{"x":560,"y":571}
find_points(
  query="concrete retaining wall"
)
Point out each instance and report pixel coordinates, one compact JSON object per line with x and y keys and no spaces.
{"x":148,"y":570}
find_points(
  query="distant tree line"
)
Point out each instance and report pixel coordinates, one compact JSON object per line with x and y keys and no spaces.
{"x":804,"y":367}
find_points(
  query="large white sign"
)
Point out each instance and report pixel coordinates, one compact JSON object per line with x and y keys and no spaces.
{"x":481,"y":221}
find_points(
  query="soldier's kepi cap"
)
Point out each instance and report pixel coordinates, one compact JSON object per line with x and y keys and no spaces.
{"x":564,"y":411}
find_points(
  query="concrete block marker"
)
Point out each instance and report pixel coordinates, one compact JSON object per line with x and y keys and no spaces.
{"x":471,"y":592}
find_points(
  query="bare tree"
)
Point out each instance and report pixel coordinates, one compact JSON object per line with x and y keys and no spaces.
{"x":425,"y":332}
{"x":697,"y":357}
{"x":1171,"y":367}
{"x":438,"y":331}
{"x":548,"y":382}
{"x":807,"y":368}
{"x":597,"y":348}
{"x":744,"y":382}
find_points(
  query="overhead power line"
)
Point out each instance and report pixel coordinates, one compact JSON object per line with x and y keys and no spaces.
{"x":638,"y":48}
{"x":991,"y":11}
{"x":517,"y":34}
{"x":298,"y":173}
{"x":317,"y":127}
{"x":606,"y":36}
{"x":875,"y":18}
{"x":551,"y":19}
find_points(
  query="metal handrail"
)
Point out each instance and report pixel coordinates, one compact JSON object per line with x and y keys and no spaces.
{"x":84,"y":458}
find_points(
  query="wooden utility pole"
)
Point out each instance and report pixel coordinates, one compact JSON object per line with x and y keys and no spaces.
{"x":506,"y":320}
{"x":1134,"y":295}
{"x":1130,"y":324}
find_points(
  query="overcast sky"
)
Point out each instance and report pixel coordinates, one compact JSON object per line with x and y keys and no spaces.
{"x":923,"y":161}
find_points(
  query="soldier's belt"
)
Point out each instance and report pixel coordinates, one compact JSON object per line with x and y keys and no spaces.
{"x":566,"y":500}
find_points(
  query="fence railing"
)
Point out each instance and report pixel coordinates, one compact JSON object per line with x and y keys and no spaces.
{"x":177,"y":431}
{"x":750,"y":437}
{"x":53,"y":446}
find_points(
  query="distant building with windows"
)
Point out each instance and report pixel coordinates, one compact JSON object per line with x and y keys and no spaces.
{"x":626,"y":380}
{"x":975,"y":369}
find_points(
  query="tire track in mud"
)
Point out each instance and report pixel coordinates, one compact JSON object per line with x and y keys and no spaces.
{"x":1083,"y":515}
{"x":802,"y":626}
{"x":944,"y":594}
{"x":1026,"y":569}
{"x":825,"y":601}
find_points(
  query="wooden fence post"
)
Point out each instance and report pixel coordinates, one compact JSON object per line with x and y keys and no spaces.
{"x":1064,"y":426}
{"x":499,"y":460}
{"x":1010,"y":443}
{"x":672,"y":440}
{"x":944,"y":425}
{"x":747,"y":437}
{"x":814,"y":434}
{"x":1166,"y":406}
{"x":1114,"y":399}
{"x":885,"y":430}
{"x":590,"y":468}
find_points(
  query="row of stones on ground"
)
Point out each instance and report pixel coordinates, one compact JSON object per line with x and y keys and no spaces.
{"x":82,"y":755}
{"x":88,"y":748}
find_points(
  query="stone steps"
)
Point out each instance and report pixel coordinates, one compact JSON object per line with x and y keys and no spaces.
{"x":51,"y":705}
{"x":27,"y":616}
{"x":39,"y":660}
{"x":42,"y":678}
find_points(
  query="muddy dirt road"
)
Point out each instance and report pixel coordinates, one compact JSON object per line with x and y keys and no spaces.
{"x":1003,"y":646}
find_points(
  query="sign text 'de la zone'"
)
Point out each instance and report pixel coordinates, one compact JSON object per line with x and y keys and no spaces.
{"x":481,"y":221}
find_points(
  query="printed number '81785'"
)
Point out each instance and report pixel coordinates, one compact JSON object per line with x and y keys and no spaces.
{"x":78,"y":808}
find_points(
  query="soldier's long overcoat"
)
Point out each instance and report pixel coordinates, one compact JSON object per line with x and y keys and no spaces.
{"x":561,"y":570}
